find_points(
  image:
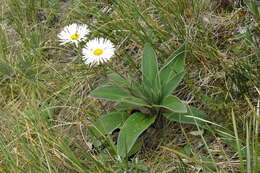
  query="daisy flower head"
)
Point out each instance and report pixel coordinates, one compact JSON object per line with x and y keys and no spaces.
{"x":98,"y":51}
{"x":73,"y":33}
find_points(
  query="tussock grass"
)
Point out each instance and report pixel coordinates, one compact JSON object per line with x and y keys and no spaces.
{"x":44,"y":87}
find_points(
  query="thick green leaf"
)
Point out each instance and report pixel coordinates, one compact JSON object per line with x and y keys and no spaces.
{"x":193,"y":116}
{"x":135,"y":101}
{"x":117,"y":94}
{"x":170,"y":86}
{"x":173,"y":103}
{"x":109,"y":92}
{"x":150,"y":72}
{"x":137,"y":87}
{"x":108,"y":123}
{"x":149,"y":64}
{"x":136,"y":147}
{"x":117,"y":79}
{"x":133,"y":127}
{"x":173,"y":66}
{"x":125,"y":107}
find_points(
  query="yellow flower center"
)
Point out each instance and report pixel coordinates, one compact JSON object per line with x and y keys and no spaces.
{"x":74,"y":36}
{"x":98,"y":52}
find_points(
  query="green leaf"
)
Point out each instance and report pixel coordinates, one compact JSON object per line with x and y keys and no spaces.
{"x":136,"y":147}
{"x":171,"y":85}
{"x":117,"y":79}
{"x":117,"y":94}
{"x":173,"y":66}
{"x":150,"y":72}
{"x":133,"y":127}
{"x":135,"y":101}
{"x":108,"y":123}
{"x":149,"y":64}
{"x":193,"y":116}
{"x":173,"y":103}
{"x":124,"y":107}
{"x":109,"y":92}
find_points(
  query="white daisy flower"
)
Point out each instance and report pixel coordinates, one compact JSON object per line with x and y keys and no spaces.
{"x":73,"y":33}
{"x":97,"y":51}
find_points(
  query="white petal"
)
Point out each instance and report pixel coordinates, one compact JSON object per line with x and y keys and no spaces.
{"x":98,"y":43}
{"x":65,"y":34}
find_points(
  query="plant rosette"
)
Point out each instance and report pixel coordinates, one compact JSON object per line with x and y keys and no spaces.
{"x":153,"y":92}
